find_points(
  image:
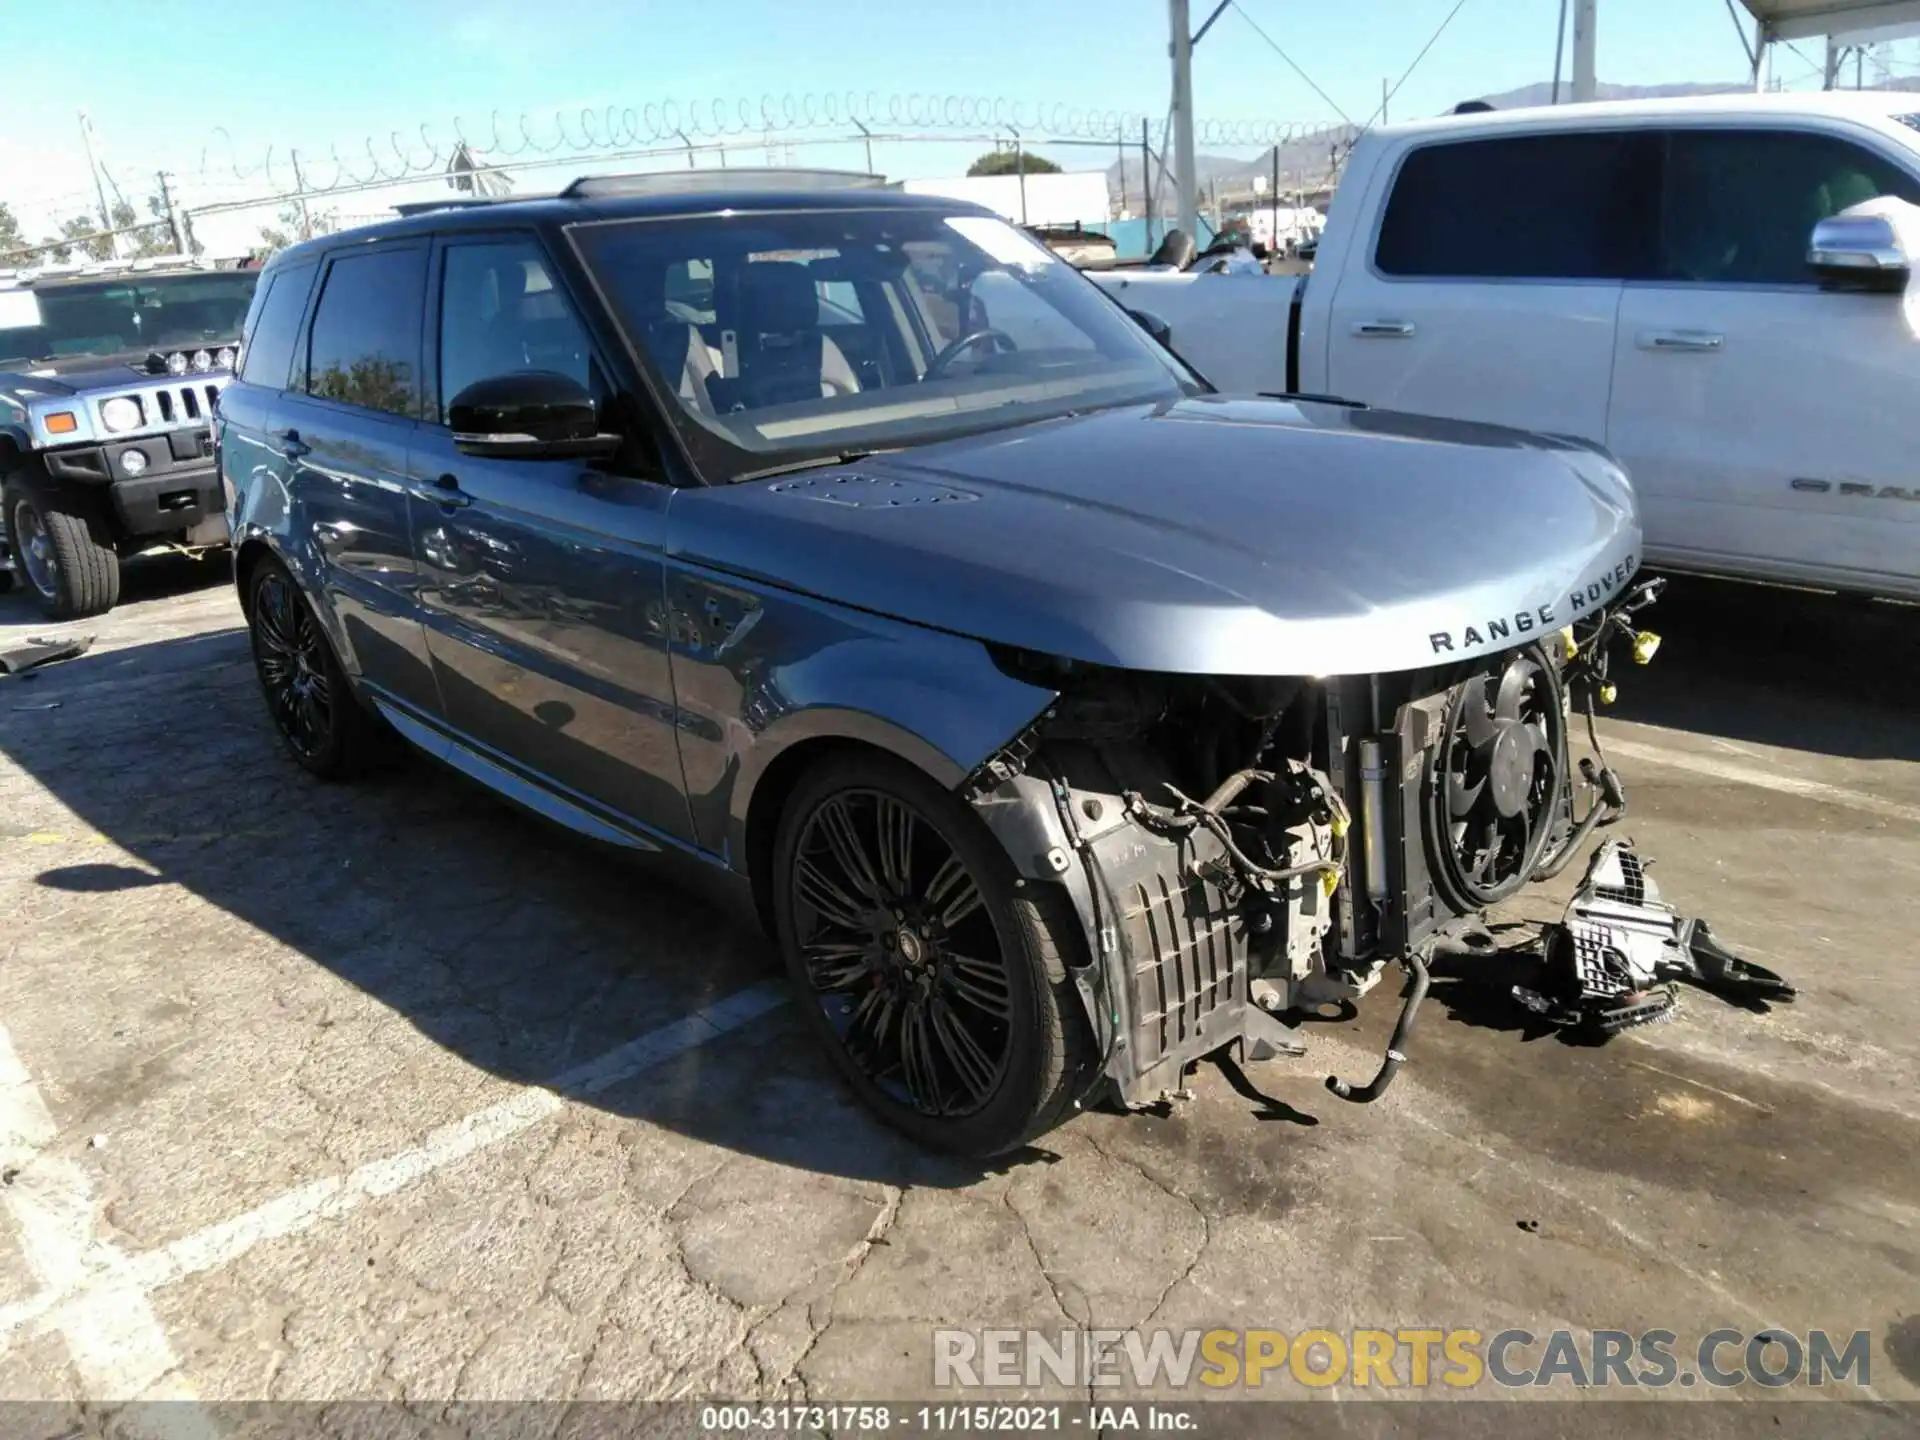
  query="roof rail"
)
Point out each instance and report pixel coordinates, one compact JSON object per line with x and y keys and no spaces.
{"x":703,"y":182}
{"x":452,"y":202}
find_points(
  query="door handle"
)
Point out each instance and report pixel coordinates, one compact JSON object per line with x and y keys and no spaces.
{"x":443,"y":491}
{"x":1686,"y":342}
{"x":291,"y":445}
{"x":1383,"y":330}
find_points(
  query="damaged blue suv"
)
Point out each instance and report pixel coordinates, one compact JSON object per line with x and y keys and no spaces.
{"x":1062,"y":720}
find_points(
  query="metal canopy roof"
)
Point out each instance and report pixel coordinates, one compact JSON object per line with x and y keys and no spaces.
{"x":1802,"y":19}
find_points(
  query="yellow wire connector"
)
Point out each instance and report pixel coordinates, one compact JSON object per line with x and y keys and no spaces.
{"x":1569,"y":647}
{"x":1609,"y":693}
{"x":1645,"y":646}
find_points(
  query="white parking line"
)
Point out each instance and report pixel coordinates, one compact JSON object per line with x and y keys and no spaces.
{"x":302,"y":1209}
{"x":119,"y":1350}
{"x":1735,"y":774}
{"x":117,"y":1286}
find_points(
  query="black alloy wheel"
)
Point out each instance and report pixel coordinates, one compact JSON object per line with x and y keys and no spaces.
{"x":934,"y":978}
{"x":1499,"y":779}
{"x":322,"y":724}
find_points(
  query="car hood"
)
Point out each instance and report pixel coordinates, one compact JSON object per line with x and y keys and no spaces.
{"x":1213,"y":535}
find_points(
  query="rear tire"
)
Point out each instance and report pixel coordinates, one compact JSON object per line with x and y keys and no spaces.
{"x":63,"y":552}
{"x":319,"y":719}
{"x":938,"y":982}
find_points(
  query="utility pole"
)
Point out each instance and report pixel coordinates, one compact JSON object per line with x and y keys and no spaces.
{"x":1559,"y":50}
{"x":1386,"y":94}
{"x":1586,"y":85}
{"x":1273,"y":240}
{"x":173,"y":220}
{"x":1182,"y":51}
{"x":99,"y":189}
{"x":1020,"y":169}
{"x":1146,"y":193}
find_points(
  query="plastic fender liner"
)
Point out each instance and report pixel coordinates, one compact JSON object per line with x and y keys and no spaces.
{"x":1167,"y":978}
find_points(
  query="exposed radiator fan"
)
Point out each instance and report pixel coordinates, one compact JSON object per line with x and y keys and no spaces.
{"x":1499,"y":780}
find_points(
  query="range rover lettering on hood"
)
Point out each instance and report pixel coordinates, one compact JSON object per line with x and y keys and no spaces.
{"x":1201,"y":537}
{"x":1545,"y":617}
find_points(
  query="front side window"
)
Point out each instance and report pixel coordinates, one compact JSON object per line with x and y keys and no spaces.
{"x":788,"y":334}
{"x":501,"y":314}
{"x":1741,"y":204}
{"x":1574,"y":206}
{"x":266,"y":353}
{"x":365,"y":347}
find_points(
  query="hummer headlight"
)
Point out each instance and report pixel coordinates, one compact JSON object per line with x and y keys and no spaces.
{"x":224,"y":357}
{"x":122,"y":413}
{"x":177,"y":363}
{"x":202,"y":360}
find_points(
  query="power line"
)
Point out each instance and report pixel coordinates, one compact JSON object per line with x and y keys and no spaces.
{"x":1431,"y":42}
{"x":1274,"y":45}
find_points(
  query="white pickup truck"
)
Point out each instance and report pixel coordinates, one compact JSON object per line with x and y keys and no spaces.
{"x":1665,"y":278}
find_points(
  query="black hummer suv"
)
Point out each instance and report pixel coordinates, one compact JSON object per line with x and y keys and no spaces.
{"x":108,"y":378}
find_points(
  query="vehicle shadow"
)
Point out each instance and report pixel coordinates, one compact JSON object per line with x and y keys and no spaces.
{"x":1773,"y":666}
{"x":520,"y":948}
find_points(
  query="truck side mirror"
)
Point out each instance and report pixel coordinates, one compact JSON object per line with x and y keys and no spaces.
{"x":1859,"y":252}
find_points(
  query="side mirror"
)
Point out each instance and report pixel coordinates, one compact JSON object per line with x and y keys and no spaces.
{"x":1859,"y":252}
{"x":1154,"y":326}
{"x":532,"y":415}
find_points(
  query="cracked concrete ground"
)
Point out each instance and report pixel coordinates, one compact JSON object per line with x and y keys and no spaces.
{"x":293,"y":1044}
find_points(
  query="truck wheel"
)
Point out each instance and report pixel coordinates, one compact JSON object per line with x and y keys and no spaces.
{"x":63,"y":554}
{"x":936,"y":980}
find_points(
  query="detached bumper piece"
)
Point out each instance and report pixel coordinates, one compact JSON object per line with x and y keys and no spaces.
{"x":1616,"y":959}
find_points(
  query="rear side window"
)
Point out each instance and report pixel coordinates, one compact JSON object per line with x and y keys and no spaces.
{"x":1533,"y":207}
{"x":365,"y":348}
{"x":1741,"y":204}
{"x":266,"y":350}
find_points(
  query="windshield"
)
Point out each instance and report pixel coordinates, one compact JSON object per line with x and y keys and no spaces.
{"x":123,"y":314}
{"x":786,"y":335}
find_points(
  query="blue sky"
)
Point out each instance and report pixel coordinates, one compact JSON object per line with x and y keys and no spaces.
{"x":157,"y":76}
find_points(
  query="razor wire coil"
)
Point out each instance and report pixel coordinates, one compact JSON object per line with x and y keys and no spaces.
{"x":504,"y":138}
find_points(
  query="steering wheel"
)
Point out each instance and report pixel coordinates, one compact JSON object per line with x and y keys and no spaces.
{"x":949,"y":353}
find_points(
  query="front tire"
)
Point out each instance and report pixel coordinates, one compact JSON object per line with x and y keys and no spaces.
{"x":936,"y":979}
{"x":320,"y":721}
{"x":64,"y":554}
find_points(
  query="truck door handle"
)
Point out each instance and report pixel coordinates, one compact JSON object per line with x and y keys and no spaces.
{"x":1694,"y":342}
{"x":291,"y":445}
{"x":1383,"y":330}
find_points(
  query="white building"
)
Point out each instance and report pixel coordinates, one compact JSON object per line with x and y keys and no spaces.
{"x":1063,"y":199}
